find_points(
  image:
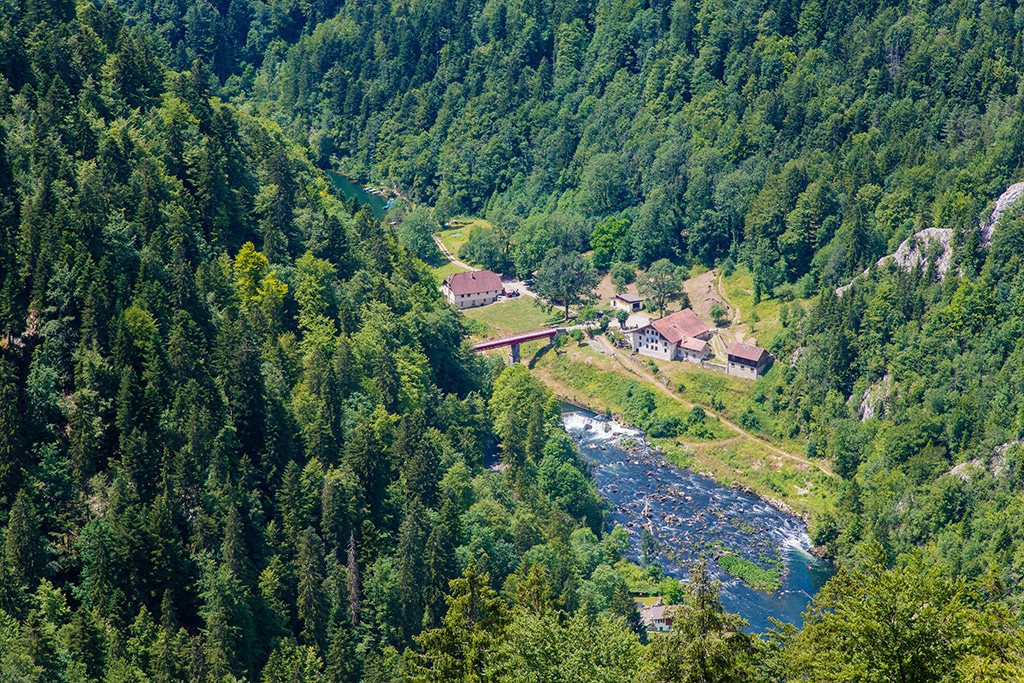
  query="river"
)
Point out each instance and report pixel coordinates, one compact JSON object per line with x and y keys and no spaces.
{"x":349,"y":188}
{"x":691,"y":515}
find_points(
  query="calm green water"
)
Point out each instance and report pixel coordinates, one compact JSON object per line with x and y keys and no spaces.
{"x":349,"y":188}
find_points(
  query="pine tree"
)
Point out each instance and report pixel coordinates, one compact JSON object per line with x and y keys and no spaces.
{"x":23,"y":543}
{"x":353,"y":580}
{"x":312,"y":604}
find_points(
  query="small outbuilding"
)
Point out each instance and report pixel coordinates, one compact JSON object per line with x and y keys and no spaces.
{"x":747,"y":360}
{"x":627,"y":302}
{"x":472,"y":289}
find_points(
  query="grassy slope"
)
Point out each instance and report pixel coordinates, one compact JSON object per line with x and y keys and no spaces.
{"x":458,"y":232}
{"x":508,"y":316}
{"x":582,"y":373}
{"x":447,"y":269}
{"x":739,"y":290}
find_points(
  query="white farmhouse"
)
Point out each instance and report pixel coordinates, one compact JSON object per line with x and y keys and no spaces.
{"x":680,"y":336}
{"x":468,"y":290}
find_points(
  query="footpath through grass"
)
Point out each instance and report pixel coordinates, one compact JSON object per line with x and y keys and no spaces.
{"x":458,"y":232}
{"x":582,"y":373}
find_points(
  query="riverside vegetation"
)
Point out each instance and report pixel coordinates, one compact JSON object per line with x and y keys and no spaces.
{"x":241,"y":436}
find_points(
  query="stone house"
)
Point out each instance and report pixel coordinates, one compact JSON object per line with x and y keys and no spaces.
{"x":469,"y":290}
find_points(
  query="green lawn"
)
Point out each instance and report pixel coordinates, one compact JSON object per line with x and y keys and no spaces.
{"x":456,"y":235}
{"x":764,"y":319}
{"x":508,"y":316}
{"x":447,"y":269}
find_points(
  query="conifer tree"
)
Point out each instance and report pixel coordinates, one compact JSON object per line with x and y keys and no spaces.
{"x":23,"y":544}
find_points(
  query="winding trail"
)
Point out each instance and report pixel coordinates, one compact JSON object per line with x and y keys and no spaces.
{"x":448,"y":254}
{"x":642,"y":371}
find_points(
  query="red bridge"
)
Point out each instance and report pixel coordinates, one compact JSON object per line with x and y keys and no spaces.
{"x":514,"y":341}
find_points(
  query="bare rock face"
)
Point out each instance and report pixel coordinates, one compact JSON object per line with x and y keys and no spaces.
{"x":917,"y":249}
{"x":1003,"y":204}
{"x":934,"y":243}
{"x":876,"y":398}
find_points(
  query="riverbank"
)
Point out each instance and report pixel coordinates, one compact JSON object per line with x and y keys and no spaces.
{"x":676,"y":518}
{"x":736,"y":485}
{"x":587,"y":377}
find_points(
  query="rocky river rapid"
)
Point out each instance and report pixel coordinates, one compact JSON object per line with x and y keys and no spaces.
{"x":691,"y":516}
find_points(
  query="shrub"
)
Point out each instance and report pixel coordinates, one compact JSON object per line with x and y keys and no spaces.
{"x":663,"y":426}
{"x":748,"y":420}
{"x":720,"y":314}
{"x":622,"y":274}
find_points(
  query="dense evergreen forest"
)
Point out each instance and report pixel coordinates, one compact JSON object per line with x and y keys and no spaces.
{"x":241,"y":435}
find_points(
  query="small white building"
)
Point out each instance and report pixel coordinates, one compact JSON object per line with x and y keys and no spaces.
{"x":469,"y":290}
{"x":630,"y":303}
{"x":747,"y":360}
{"x":680,"y":336}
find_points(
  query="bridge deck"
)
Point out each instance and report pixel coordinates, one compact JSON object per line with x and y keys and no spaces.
{"x":522,"y":338}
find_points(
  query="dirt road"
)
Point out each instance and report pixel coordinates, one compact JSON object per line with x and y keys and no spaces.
{"x":448,"y":254}
{"x":639,"y":369}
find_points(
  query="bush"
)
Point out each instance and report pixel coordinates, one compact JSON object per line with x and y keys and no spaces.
{"x":622,"y":317}
{"x":652,"y":366}
{"x":719,"y":314}
{"x":748,"y":420}
{"x":784,"y":292}
{"x":576,"y":335}
{"x":663,"y":426}
{"x":622,"y":274}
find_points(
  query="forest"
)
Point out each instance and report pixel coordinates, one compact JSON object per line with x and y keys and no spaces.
{"x":244,"y":439}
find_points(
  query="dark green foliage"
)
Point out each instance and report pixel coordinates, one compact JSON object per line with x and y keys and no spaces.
{"x":566,"y":279}
{"x":230,"y":401}
{"x":240,"y":435}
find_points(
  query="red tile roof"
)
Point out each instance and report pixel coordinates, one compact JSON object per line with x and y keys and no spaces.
{"x":746,"y":351}
{"x":474,"y":282}
{"x":685,"y":323}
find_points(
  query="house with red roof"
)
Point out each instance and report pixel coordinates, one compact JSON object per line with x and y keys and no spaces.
{"x":472,"y":289}
{"x":680,"y":336}
{"x":747,"y":360}
{"x":656,"y":617}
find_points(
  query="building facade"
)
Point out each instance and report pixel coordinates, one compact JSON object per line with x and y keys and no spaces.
{"x":747,"y":360}
{"x":680,"y":336}
{"x":627,"y":302}
{"x":469,"y":290}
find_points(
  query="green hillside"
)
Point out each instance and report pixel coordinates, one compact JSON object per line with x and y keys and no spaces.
{"x":244,"y":439}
